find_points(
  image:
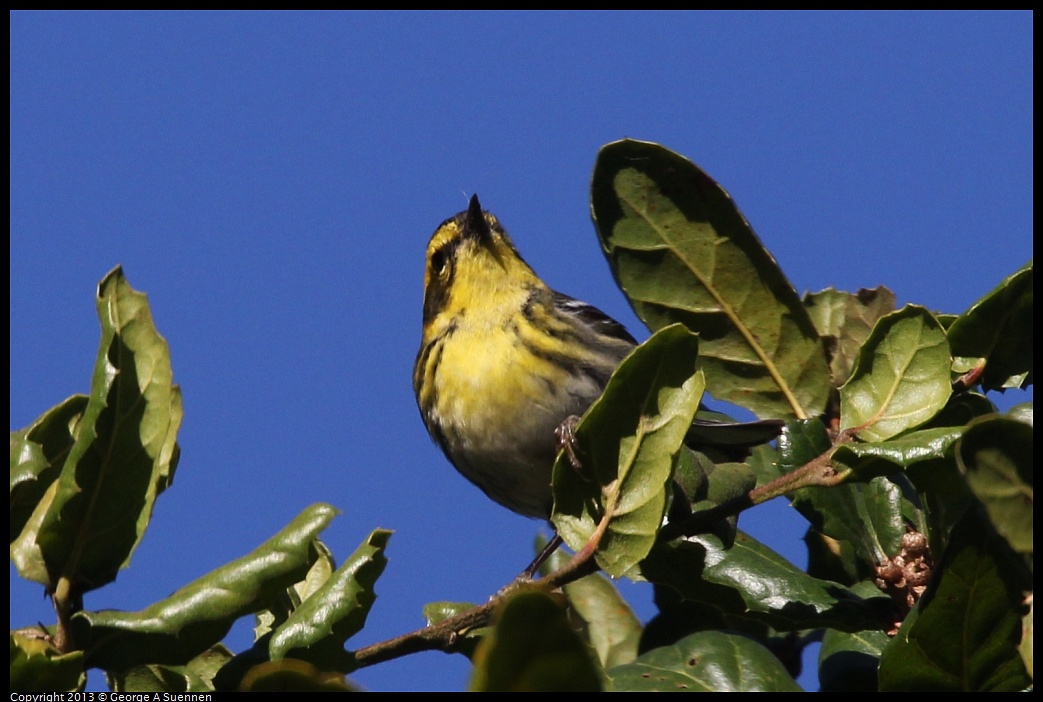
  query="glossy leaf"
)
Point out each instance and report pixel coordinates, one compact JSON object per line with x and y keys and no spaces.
{"x":317,"y":629}
{"x":437,"y":612}
{"x":995,"y":455}
{"x":750,"y":579}
{"x":999,"y":328}
{"x":901,"y":378}
{"x":628,"y":442}
{"x":963,"y":635}
{"x":867,"y":516}
{"x":867,"y":461}
{"x":846,"y":319}
{"x":124,"y":455}
{"x":682,"y":252}
{"x":180,"y":627}
{"x":707,"y":661}
{"x":319,"y":573}
{"x":532,"y":648}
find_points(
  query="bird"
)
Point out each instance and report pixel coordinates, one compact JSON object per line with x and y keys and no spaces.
{"x":505,"y":361}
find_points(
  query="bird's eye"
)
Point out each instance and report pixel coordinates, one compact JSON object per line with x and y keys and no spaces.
{"x":439,"y":261}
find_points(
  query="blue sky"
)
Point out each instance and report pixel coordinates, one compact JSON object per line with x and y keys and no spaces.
{"x":271,"y":180}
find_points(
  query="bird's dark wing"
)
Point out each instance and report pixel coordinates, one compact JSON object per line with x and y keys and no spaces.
{"x":592,"y":317}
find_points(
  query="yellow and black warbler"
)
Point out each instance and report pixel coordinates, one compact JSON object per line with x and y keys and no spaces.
{"x":504,"y":360}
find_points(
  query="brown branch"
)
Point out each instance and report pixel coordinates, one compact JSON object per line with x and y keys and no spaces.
{"x":818,"y":472}
{"x":447,"y":634}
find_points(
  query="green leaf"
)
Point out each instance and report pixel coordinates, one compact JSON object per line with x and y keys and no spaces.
{"x":961,"y":409}
{"x":180,"y":627}
{"x":998,"y":328}
{"x":319,"y":573}
{"x":628,"y":442}
{"x":532,"y":648}
{"x":610,"y":625}
{"x":943,"y":494}
{"x":995,"y":455}
{"x":678,"y":617}
{"x":963,"y":635}
{"x":437,"y":612}
{"x":832,"y":559}
{"x":37,"y":666}
{"x":750,"y":579}
{"x":867,"y":516}
{"x":124,"y":455}
{"x":682,"y":252}
{"x":195,"y":676}
{"x":901,"y":378}
{"x":846,"y":319}
{"x":317,"y":629}
{"x":38,"y":453}
{"x":867,"y":461}
{"x":848,"y":662}
{"x":707,"y":661}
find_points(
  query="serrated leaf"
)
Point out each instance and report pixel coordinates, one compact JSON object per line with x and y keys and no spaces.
{"x":963,"y":635}
{"x":628,"y":442}
{"x":319,"y":572}
{"x":38,"y":453}
{"x":998,"y":328}
{"x":682,"y":252}
{"x":532,"y":648}
{"x":124,"y":455}
{"x":995,"y":455}
{"x":867,"y":461}
{"x":37,"y":666}
{"x":197,"y":616}
{"x":847,"y":319}
{"x":317,"y":629}
{"x":705,"y":662}
{"x":901,"y":378}
{"x":750,"y":579}
{"x":610,"y":625}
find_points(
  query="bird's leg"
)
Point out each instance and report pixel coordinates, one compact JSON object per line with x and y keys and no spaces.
{"x":566,"y":435}
{"x":544,"y":554}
